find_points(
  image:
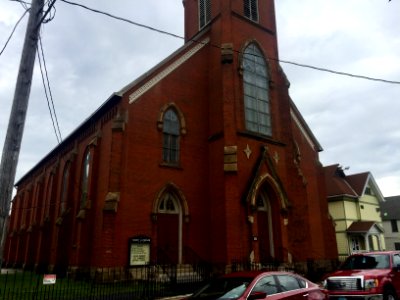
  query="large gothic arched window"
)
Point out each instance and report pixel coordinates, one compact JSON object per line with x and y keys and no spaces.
{"x":256,"y":91}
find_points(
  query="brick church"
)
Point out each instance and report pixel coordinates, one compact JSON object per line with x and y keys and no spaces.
{"x":204,"y":157}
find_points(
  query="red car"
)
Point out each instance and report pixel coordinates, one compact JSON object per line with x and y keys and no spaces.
{"x":260,"y":285}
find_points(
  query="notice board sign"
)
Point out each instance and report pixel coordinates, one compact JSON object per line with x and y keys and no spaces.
{"x":49,"y":279}
{"x":139,"y":251}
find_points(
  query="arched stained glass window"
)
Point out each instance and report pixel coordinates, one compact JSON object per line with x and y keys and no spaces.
{"x":204,"y":12}
{"x":256,"y":91}
{"x":85,"y":178}
{"x":250,"y":8}
{"x":65,"y":187}
{"x":168,"y":204}
{"x":171,"y":129}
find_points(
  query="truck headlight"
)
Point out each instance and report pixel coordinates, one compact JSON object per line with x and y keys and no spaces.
{"x":324,"y":284}
{"x":371,"y":283}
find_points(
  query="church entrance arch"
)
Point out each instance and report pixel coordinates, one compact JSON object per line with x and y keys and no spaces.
{"x":265,"y":228}
{"x":170,"y":208}
{"x":268,"y":208}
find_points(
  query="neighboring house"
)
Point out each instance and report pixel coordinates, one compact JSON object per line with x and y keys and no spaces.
{"x":354,"y":204}
{"x":205,"y":157}
{"x":390,"y":213}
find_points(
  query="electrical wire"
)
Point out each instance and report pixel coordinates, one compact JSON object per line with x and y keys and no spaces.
{"x":23,"y":3}
{"x":49,"y":9}
{"x":48,"y":86}
{"x":12,"y":32}
{"x":42,"y":20}
{"x":53,"y":114}
{"x":219,"y":47}
{"x":125,"y":20}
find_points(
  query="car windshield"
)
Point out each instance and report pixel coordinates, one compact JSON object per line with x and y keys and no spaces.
{"x":374,"y":261}
{"x":223,"y":288}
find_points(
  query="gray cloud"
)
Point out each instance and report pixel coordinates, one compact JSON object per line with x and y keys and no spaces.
{"x":90,"y":56}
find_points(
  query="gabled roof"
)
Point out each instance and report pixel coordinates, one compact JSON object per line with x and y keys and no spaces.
{"x":363,"y":227}
{"x":115,"y":98}
{"x":359,"y":183}
{"x":336,"y":183}
{"x":339,"y":184}
{"x":390,"y":208}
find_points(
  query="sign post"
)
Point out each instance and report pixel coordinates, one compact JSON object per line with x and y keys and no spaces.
{"x":139,"y":251}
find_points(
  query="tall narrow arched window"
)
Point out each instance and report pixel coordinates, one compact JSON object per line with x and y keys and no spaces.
{"x":85,"y":177}
{"x":256,"y":91}
{"x":48,"y":197}
{"x":250,"y":8}
{"x":171,"y":128}
{"x":204,"y":12}
{"x":65,"y":188}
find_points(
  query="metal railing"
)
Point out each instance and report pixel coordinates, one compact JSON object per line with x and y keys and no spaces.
{"x":146,"y":282}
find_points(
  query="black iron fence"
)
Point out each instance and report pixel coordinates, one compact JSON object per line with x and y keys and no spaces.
{"x":148,"y":282}
{"x":152,"y":281}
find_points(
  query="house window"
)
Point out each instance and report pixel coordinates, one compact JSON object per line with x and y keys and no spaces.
{"x":256,"y":91}
{"x":368,"y":191}
{"x":355,"y":244}
{"x":85,"y":178}
{"x":65,"y":187}
{"x":394,"y":225}
{"x":397,"y":246}
{"x":251,"y":9}
{"x":171,"y":128}
{"x":204,"y":12}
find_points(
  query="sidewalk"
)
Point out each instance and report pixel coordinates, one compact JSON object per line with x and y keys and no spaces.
{"x":175,"y":297}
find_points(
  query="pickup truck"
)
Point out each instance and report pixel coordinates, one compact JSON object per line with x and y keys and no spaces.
{"x":366,"y":276}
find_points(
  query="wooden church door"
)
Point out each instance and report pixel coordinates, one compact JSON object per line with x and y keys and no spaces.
{"x":169,"y":230}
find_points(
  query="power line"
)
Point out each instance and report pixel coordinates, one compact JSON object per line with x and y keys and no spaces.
{"x":12,"y":32}
{"x":337,"y":72}
{"x":50,"y":6}
{"x":23,"y":3}
{"x":49,"y":9}
{"x":219,"y":47}
{"x":125,"y":20}
{"x":51,"y":107}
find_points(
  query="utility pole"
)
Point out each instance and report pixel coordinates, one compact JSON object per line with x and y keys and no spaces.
{"x":16,"y":123}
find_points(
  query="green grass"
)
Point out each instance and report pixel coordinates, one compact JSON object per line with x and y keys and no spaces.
{"x":28,"y":285}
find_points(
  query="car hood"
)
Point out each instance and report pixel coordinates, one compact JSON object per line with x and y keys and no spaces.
{"x":365,"y":273}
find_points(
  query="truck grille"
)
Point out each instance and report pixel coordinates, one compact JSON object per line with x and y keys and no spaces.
{"x":345,"y":284}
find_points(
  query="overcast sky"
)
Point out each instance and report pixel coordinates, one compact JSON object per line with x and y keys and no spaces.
{"x":90,"y":56}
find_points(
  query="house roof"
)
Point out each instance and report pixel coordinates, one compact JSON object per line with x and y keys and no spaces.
{"x":339,"y":184}
{"x":362,"y":227}
{"x":336,"y":184}
{"x":358,"y":182}
{"x":390,"y":208}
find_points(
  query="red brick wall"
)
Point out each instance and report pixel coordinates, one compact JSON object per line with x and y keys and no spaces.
{"x":128,"y":160}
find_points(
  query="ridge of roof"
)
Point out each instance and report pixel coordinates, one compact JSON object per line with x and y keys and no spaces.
{"x":304,"y":126}
{"x":336,"y":183}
